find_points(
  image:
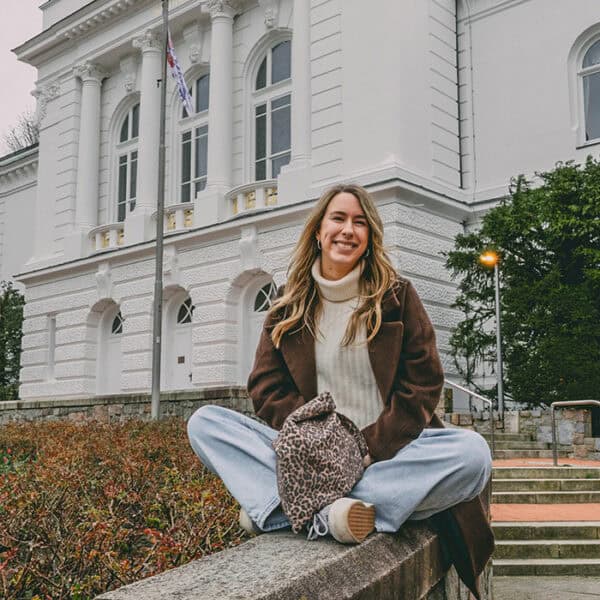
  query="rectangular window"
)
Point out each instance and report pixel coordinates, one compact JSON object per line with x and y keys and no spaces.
{"x":202,"y":93}
{"x":201,"y":161}
{"x":591,"y":102}
{"x":186,"y":166}
{"x":261,"y":143}
{"x":135,"y":125}
{"x":122,"y":195}
{"x":51,"y":346}
{"x":133,"y":181}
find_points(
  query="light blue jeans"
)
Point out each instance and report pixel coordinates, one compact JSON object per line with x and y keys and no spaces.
{"x":439,"y":469}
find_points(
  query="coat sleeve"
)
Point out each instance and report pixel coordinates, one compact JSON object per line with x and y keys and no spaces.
{"x":418,"y":382}
{"x":270,"y":385}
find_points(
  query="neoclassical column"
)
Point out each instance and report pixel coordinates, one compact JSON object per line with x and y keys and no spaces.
{"x":88,"y":163}
{"x":220,"y":119}
{"x":301,"y":85}
{"x":151,"y":47}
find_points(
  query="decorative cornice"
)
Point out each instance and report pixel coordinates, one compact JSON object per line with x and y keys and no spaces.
{"x":18,"y":166}
{"x":43,"y":95}
{"x":220,"y":8}
{"x":89,"y":71}
{"x":149,"y":41}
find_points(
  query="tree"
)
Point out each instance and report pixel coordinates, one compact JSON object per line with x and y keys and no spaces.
{"x":548,"y":238}
{"x":11,"y":332}
{"x":25,"y":133}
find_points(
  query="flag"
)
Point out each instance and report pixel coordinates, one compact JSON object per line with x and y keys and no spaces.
{"x":177,"y":73}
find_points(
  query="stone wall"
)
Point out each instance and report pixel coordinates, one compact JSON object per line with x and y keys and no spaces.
{"x":573,"y":426}
{"x":403,"y":566}
{"x":123,"y":407}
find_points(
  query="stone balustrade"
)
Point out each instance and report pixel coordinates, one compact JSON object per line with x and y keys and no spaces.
{"x":178,"y":217}
{"x":251,"y":196}
{"x":107,"y":237}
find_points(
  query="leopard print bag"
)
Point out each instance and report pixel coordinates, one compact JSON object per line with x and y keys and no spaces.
{"x":319,"y":459}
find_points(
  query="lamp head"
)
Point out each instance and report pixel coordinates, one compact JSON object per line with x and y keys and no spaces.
{"x":489,"y":258}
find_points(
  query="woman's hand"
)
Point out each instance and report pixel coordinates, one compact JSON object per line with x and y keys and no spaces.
{"x":367,"y":460}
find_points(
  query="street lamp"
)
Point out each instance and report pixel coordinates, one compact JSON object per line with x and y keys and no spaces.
{"x":489,"y":258}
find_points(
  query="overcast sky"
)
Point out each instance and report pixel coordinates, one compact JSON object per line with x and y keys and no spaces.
{"x":19,"y":21}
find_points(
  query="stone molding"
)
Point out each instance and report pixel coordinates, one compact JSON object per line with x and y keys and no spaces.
{"x":90,"y":72}
{"x":271,"y":10}
{"x":223,"y":8}
{"x":128,"y":66}
{"x":43,"y":95}
{"x":16,"y":168}
{"x":104,"y":286}
{"x":149,"y":41}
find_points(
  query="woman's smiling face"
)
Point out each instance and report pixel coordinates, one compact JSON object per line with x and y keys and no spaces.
{"x":344,"y":236}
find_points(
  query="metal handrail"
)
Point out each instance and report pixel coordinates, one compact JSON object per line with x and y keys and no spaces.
{"x":483,"y":399}
{"x":565,"y":403}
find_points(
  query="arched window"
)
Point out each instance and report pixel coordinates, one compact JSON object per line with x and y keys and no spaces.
{"x":264,"y":298}
{"x":186,"y":310}
{"x":272,"y":112}
{"x":127,"y":151}
{"x":117,"y":325}
{"x":590,"y":75}
{"x":194,"y":142}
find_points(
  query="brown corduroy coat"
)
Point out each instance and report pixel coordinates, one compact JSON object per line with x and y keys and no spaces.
{"x":409,"y":374}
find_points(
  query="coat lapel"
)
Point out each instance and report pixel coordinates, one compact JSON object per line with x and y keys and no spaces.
{"x":386,"y":346}
{"x":298,"y":352}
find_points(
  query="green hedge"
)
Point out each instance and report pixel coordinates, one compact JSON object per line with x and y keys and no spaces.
{"x":88,"y":507}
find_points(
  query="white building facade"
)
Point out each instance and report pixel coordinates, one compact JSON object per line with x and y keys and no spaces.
{"x":432,"y":105}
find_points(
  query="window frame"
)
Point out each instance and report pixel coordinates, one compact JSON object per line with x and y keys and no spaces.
{"x":266,"y":95}
{"x":582,"y":73}
{"x":190,"y":124}
{"x":128,"y":149}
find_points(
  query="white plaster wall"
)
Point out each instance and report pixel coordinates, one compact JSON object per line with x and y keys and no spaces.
{"x":16,"y":230}
{"x":55,"y":10}
{"x":523,"y":121}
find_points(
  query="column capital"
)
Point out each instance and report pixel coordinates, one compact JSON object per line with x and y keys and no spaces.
{"x":149,"y":41}
{"x":223,"y":8}
{"x":88,"y":71}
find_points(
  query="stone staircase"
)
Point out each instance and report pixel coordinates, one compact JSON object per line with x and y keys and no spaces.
{"x":547,"y":548}
{"x":521,"y":445}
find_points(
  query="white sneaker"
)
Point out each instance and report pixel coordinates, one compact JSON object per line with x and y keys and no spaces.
{"x":247,"y":524}
{"x":347,"y":520}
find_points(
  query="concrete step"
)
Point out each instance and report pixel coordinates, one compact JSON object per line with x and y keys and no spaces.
{"x":511,"y":549}
{"x":546,"y":485}
{"x":509,"y":437}
{"x":556,"y":530}
{"x":520,"y":445}
{"x":546,"y":473}
{"x":545,"y":497}
{"x":582,"y":567}
{"x":499,"y":453}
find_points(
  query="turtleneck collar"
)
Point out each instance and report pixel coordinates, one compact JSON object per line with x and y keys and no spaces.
{"x":339,"y":290}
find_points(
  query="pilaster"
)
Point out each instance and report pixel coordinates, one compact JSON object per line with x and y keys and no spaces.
{"x":138,"y":224}
{"x":88,"y":161}
{"x":209,"y":205}
{"x":295,"y":178}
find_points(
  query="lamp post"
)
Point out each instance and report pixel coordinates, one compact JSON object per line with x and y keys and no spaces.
{"x":491,"y":259}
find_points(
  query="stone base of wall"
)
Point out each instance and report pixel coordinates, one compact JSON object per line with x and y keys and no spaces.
{"x":573,"y":426}
{"x":126,"y":406}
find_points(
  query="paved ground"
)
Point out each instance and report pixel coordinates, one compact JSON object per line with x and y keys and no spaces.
{"x":546,"y":588}
{"x":545,"y":512}
{"x":545,"y":462}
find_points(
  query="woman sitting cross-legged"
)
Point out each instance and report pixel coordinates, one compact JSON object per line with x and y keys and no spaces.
{"x":347,"y":324}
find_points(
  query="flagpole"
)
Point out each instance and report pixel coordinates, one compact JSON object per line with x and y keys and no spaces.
{"x":160,"y":206}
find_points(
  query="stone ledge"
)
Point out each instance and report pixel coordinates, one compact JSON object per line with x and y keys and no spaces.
{"x":284,"y":566}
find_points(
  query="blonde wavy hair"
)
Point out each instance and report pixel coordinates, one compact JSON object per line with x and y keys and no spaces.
{"x":300,"y":304}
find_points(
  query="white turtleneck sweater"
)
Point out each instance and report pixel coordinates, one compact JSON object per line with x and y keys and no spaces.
{"x":344,"y":371}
